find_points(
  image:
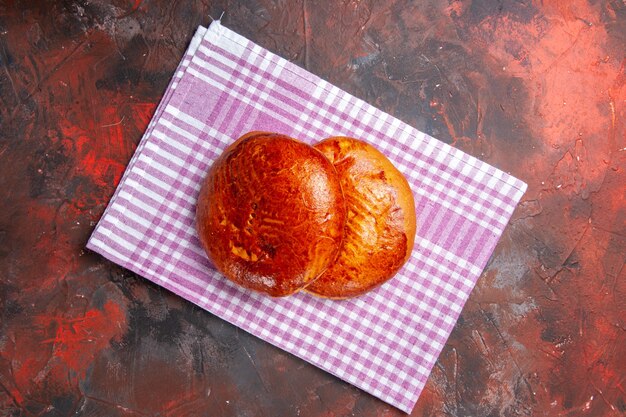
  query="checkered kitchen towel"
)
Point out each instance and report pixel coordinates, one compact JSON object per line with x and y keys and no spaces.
{"x":385,"y":342}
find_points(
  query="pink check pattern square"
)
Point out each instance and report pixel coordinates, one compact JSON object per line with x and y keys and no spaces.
{"x":385,"y":342}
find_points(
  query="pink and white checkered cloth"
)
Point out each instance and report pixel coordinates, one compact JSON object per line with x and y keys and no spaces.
{"x":385,"y":342}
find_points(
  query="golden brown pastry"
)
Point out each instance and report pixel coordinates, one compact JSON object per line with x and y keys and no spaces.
{"x":380,"y":224}
{"x":270,"y":213}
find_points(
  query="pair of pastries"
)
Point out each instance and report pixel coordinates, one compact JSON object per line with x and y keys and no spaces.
{"x":276,"y":215}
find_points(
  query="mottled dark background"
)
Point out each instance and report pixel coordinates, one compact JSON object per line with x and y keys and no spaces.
{"x":534,"y":88}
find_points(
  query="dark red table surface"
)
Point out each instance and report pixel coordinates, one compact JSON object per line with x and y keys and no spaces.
{"x":534,"y":88}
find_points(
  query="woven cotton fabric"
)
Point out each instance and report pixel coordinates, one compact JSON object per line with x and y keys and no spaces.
{"x":385,"y":342}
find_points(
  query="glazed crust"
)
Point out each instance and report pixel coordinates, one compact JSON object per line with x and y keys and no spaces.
{"x":271,"y":213}
{"x":380,"y":224}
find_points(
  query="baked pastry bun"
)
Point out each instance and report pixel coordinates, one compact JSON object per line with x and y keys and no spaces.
{"x":271,"y":213}
{"x":380,"y":224}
